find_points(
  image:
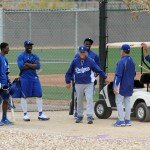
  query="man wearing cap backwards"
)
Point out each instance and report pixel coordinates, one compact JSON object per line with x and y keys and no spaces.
{"x":82,"y":67}
{"x":146,"y":55}
{"x":28,"y":63}
{"x":123,"y":86}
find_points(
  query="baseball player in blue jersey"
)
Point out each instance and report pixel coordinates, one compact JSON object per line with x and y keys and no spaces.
{"x":123,"y":86}
{"x":146,"y":55}
{"x":4,"y":83}
{"x":82,"y":67}
{"x":28,"y":63}
{"x":88,"y":42}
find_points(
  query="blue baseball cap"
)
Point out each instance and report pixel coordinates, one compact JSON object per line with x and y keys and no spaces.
{"x":28,"y":42}
{"x":82,"y":49}
{"x":125,"y":47}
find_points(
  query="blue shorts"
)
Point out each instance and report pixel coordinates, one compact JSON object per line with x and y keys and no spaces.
{"x":4,"y":95}
{"x":30,"y":88}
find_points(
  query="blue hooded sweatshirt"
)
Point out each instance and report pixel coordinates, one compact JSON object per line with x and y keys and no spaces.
{"x":124,"y":76}
{"x":83,"y":71}
{"x":93,"y":56}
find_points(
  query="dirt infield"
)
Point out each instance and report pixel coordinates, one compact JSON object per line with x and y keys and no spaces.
{"x":59,"y":79}
{"x":61,"y":133}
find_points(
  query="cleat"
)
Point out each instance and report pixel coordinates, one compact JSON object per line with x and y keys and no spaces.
{"x":1,"y":123}
{"x":7,"y":122}
{"x":43,"y":117}
{"x":79,"y":119}
{"x":25,"y":117}
{"x":119,"y":123}
{"x":128,"y":122}
{"x":90,"y":120}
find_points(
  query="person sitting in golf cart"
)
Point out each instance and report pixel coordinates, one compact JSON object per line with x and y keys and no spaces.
{"x":146,"y":55}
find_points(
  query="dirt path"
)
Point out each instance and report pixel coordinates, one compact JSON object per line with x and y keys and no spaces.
{"x":61,"y":133}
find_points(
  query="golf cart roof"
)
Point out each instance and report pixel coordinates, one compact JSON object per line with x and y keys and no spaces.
{"x":132,"y":44}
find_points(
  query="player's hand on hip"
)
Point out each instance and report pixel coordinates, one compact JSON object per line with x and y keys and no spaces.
{"x":68,"y":86}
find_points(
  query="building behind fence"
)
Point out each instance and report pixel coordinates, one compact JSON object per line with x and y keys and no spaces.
{"x":57,"y":34}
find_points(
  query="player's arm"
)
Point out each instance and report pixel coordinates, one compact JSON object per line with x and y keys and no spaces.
{"x":98,"y":70}
{"x":69,"y":74}
{"x":35,"y":64}
{"x":118,"y":76}
{"x":21,"y":63}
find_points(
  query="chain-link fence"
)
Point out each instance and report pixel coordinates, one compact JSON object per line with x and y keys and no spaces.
{"x":57,"y":34}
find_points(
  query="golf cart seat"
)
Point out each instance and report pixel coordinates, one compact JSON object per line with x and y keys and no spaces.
{"x":145,"y":79}
{"x":138,"y":84}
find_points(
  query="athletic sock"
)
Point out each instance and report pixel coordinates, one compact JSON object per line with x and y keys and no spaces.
{"x":24,"y":105}
{"x":39,"y":102}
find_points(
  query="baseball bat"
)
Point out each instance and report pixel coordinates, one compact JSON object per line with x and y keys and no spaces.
{"x":144,"y":68}
{"x":12,"y":110}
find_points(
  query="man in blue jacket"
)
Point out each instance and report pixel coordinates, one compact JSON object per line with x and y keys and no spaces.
{"x":82,"y":68}
{"x":4,"y":83}
{"x":28,"y":63}
{"x":88,"y":42}
{"x":146,"y":55}
{"x":123,"y":86}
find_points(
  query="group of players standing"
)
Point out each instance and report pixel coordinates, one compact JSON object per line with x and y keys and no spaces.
{"x":83,"y":69}
{"x":30,"y":85}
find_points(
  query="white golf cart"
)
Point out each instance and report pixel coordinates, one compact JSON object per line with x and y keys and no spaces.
{"x":140,"y":102}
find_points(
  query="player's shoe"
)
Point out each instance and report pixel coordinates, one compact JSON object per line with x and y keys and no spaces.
{"x":119,"y":123}
{"x":90,"y":120}
{"x":26,"y":117}
{"x":7,"y":122}
{"x":79,"y":119}
{"x":128,"y":122}
{"x":43,"y":117}
{"x":1,"y":123}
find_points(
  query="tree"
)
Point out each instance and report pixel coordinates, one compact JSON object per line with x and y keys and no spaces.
{"x":143,"y":4}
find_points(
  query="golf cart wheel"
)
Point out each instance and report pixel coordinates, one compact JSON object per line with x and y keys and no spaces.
{"x":101,"y":110}
{"x":142,"y":112}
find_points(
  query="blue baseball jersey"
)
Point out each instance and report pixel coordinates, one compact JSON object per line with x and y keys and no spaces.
{"x":148,"y":58}
{"x":83,"y":71}
{"x":3,"y":70}
{"x":25,"y":57}
{"x":124,"y":76}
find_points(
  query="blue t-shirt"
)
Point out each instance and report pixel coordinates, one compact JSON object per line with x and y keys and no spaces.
{"x":3,"y":70}
{"x":25,"y":57}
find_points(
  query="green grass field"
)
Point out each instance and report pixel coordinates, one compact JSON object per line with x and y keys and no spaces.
{"x":59,"y":56}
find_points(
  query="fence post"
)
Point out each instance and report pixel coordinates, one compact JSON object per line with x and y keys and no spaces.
{"x":1,"y":24}
{"x":30,"y":26}
{"x":76,"y":31}
{"x":102,"y":37}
